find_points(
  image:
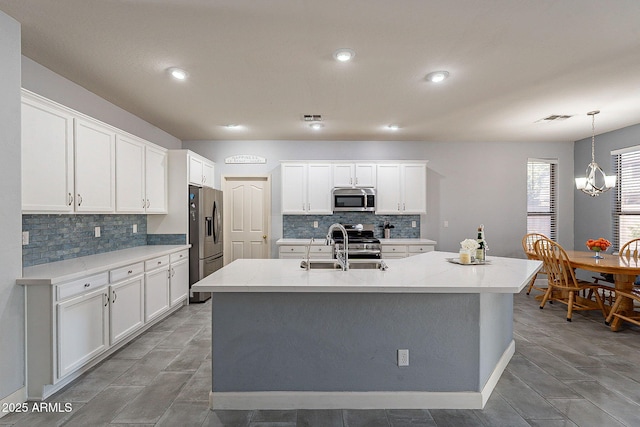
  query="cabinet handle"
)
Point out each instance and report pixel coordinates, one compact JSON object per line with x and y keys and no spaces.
{"x":159,"y":262}
{"x":106,"y":297}
{"x":303,"y":206}
{"x":398,"y":206}
{"x":79,"y":200}
{"x":404,"y":208}
{"x":86,"y":285}
{"x":143,"y":203}
{"x":115,"y":297}
{"x":204,"y":178}
{"x":130,"y":271}
{"x":350,"y":181}
{"x":70,"y":199}
{"x":308,"y":206}
{"x":173,"y":272}
{"x":356,"y":180}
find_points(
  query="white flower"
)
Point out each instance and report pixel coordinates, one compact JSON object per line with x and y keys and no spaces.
{"x":469,"y":244}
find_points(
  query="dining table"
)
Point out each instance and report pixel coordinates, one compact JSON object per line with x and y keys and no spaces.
{"x":624,"y":270}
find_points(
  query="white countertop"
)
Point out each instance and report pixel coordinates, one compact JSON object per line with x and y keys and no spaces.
{"x":321,"y":241}
{"x":62,"y":271}
{"x":424,"y":273}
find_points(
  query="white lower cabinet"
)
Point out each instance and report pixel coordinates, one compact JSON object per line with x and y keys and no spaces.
{"x":300,"y":252}
{"x":179,"y":282}
{"x":126,"y":308}
{"x":73,"y":325}
{"x":82,"y":330}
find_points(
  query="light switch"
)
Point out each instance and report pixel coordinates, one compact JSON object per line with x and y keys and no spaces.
{"x":135,"y":228}
{"x":25,"y":237}
{"x":446,"y":224}
{"x":97,"y":231}
{"x":315,"y":224}
{"x":413,"y":224}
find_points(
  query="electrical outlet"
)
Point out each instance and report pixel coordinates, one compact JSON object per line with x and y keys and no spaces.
{"x":403,"y":357}
{"x":25,"y":238}
{"x":315,"y":224}
{"x":135,"y":228}
{"x":414,"y":224}
{"x":446,"y":224}
{"x":97,"y":231}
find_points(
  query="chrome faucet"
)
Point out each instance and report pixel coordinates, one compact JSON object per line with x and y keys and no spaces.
{"x":308,"y":266}
{"x":342,"y":255}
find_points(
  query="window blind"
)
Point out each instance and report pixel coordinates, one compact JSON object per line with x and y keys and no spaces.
{"x":626,"y":199}
{"x":542,"y":197}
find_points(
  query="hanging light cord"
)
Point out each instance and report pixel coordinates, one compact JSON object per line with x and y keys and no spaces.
{"x":593,"y":135}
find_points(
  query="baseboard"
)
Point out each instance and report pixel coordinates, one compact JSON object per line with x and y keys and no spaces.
{"x":17,"y":397}
{"x":363,"y":400}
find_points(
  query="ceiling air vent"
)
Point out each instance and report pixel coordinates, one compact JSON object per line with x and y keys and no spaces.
{"x":312,"y":117}
{"x":554,"y":117}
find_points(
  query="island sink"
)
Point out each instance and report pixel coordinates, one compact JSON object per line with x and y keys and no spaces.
{"x":331,"y":264}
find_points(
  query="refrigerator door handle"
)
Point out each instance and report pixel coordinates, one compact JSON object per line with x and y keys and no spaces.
{"x":209,"y":225}
{"x":216,"y":222}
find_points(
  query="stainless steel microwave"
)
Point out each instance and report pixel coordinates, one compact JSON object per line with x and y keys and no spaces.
{"x":354,"y":200}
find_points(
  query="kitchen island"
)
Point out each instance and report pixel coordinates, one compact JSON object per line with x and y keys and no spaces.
{"x":284,"y":337}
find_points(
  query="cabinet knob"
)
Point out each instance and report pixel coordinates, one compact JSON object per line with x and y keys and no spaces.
{"x":130,"y":271}
{"x":86,"y":285}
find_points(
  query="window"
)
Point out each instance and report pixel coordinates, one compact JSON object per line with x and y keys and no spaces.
{"x":626,"y":199}
{"x":541,"y":197}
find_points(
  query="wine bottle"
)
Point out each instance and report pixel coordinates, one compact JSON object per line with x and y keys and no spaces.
{"x":481,"y":252}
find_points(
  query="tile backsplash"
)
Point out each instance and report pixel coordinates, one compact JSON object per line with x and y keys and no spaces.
{"x":59,"y":237}
{"x":301,"y":226}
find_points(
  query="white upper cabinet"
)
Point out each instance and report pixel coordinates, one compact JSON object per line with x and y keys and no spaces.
{"x":401,"y":188}
{"x":130,"y":176}
{"x":94,"y":167}
{"x":73,"y":163}
{"x":47,"y":157}
{"x":306,"y":188}
{"x":354,"y":174}
{"x":200,"y":171}
{"x":156,"y":177}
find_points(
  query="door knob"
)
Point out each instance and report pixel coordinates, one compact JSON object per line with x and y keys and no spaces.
{"x":264,"y":236}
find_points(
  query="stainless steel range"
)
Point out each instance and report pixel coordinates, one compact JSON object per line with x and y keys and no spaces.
{"x":362,"y":243}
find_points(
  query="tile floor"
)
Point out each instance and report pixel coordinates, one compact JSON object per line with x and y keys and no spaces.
{"x":562,"y":374}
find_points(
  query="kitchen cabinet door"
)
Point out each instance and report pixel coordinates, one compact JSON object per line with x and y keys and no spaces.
{"x":126,"y":308}
{"x":156,"y":293}
{"x":94,"y":167}
{"x":47,"y":157}
{"x":82,"y":329}
{"x":414,"y":188}
{"x":195,"y":171}
{"x":343,"y":174}
{"x":294,"y":188}
{"x":130,"y":175}
{"x":207,"y":174}
{"x":319,"y":187}
{"x":179,"y":282}
{"x":156,"y":180}
{"x":365,"y":174}
{"x":388,"y":197}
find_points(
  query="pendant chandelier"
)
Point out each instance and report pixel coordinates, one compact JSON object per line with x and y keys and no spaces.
{"x":595,"y":181}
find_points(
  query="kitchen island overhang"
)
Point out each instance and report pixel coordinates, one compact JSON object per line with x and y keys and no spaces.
{"x":287,"y":338}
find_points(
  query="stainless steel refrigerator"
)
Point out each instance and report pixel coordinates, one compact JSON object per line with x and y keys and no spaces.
{"x":205,"y":236}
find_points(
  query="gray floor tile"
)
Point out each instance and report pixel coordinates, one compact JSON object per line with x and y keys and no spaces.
{"x":553,"y":423}
{"x":614,"y":404}
{"x":191,"y":357}
{"x":181,"y":336}
{"x":498,"y":413}
{"x":144,"y":371}
{"x":584,"y":413}
{"x":319,"y":418}
{"x":455,"y":418}
{"x":539,"y":380}
{"x":184,"y":414}
{"x":142,"y":345}
{"x":228,"y":419}
{"x":48,"y":419}
{"x":199,"y":385}
{"x":410,"y":418}
{"x":275,"y":416}
{"x":106,"y":405}
{"x":528,"y":403}
{"x":149,"y":406}
{"x":365,"y":418}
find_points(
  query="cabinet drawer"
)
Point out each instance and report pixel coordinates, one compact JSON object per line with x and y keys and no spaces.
{"x":158,"y":262}
{"x":79,"y":286}
{"x":416,"y":249}
{"x":125,"y":272}
{"x":292,"y":249}
{"x":393,"y":249}
{"x":179,"y":256}
{"x":321,"y":250}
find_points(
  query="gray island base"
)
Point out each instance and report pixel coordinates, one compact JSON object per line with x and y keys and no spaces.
{"x":286,"y":338}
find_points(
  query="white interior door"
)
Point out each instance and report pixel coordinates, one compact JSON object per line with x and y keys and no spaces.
{"x":246,"y":222}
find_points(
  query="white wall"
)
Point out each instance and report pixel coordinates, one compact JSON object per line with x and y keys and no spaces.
{"x":468,"y":183}
{"x":45,"y":82}
{"x":12,"y":370}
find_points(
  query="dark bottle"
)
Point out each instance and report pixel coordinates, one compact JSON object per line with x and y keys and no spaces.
{"x":481,"y":252}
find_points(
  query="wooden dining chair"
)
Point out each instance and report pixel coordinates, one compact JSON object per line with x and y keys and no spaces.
{"x":631,"y":249}
{"x":562,"y":283}
{"x":633,"y":317}
{"x":527,"y":245}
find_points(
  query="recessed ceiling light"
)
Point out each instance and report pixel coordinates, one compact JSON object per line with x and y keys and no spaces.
{"x":316,"y":126}
{"x":344,"y":54}
{"x":437,"y":76}
{"x":177,"y":73}
{"x":393,"y":127}
{"x":232,"y":126}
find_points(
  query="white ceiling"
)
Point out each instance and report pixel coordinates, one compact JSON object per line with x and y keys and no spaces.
{"x":264,"y":63}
